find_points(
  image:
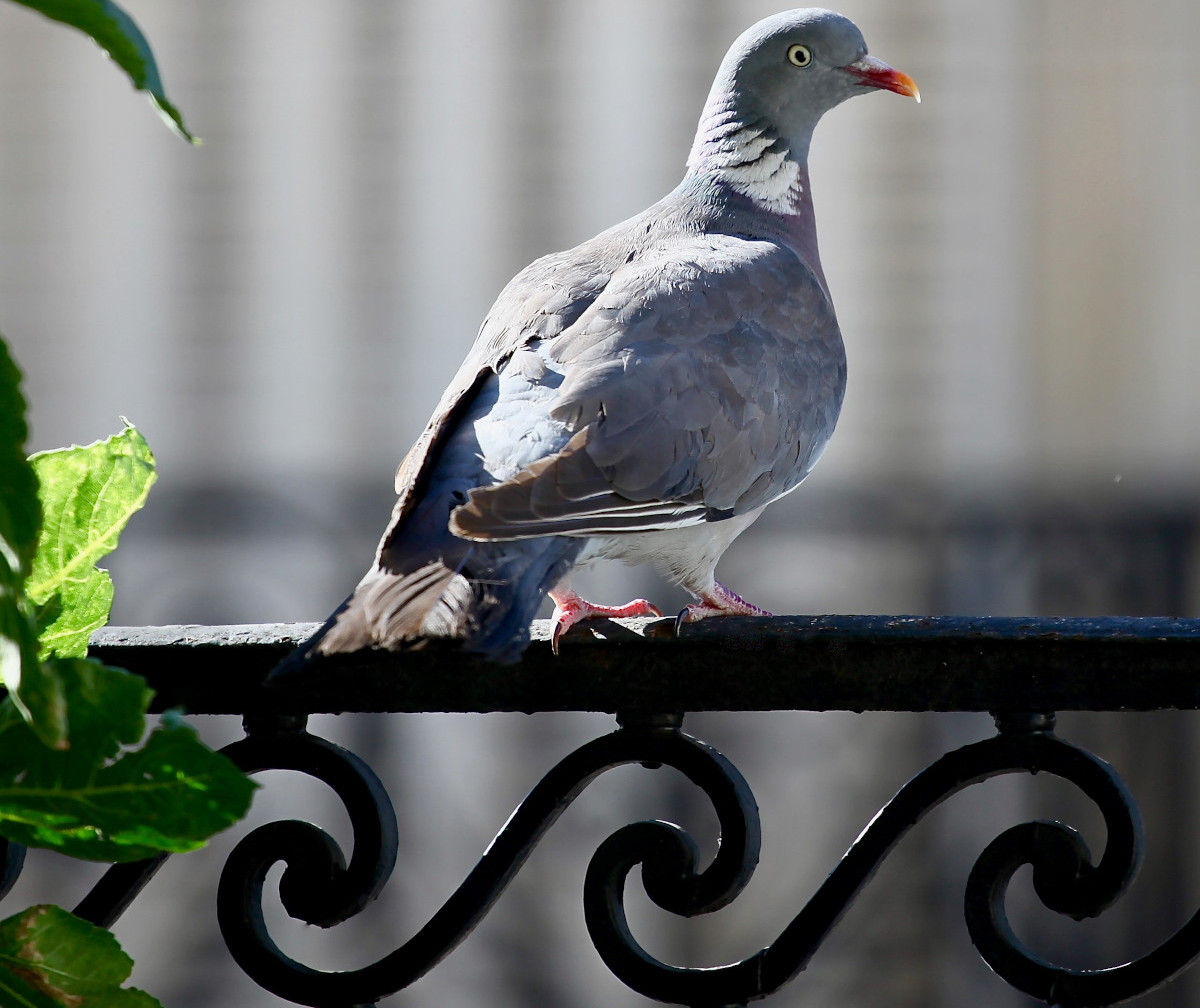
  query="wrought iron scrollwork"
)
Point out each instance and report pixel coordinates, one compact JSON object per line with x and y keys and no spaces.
{"x":1070,"y":883}
{"x":315,"y":861}
{"x":321,"y":887}
{"x":1065,"y":879}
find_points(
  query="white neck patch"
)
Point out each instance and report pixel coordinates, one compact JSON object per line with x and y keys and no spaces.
{"x":752,"y":161}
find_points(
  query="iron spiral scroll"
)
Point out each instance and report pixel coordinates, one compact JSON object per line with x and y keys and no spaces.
{"x":319,"y":887}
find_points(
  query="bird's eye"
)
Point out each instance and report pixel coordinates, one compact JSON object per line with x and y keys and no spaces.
{"x":799,"y":55}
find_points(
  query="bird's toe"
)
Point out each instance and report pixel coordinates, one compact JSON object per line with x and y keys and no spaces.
{"x":571,"y":609}
{"x":720,"y":601}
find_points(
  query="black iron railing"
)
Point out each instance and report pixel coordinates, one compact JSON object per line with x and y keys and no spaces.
{"x":1021,"y":671}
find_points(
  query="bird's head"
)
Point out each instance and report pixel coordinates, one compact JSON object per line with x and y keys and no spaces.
{"x":797,"y":65}
{"x":787,"y":70}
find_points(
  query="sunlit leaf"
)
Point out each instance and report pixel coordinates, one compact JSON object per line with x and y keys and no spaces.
{"x":115,"y":32}
{"x":88,"y":494}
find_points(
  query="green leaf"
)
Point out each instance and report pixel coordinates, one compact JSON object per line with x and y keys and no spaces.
{"x":172,"y":794}
{"x":87,"y":494}
{"x":115,"y":32}
{"x":52,"y":959}
{"x":36,"y":694}
{"x":20,"y":515}
{"x":106,"y":710}
{"x":65,"y":621}
{"x":41,"y":703}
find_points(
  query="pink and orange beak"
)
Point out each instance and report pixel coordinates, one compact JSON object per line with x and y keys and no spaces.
{"x":876,"y":73}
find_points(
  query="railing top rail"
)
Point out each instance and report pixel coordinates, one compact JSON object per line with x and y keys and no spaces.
{"x":899,"y":663}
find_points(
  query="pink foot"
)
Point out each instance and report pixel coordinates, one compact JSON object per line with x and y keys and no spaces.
{"x":719,"y":602}
{"x":570,"y":608}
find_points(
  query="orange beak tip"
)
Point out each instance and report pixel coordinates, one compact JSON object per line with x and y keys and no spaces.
{"x":875,"y":73}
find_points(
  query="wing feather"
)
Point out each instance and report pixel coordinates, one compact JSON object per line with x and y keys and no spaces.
{"x":700,"y":377}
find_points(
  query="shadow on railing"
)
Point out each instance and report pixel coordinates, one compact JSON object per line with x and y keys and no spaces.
{"x":1019,"y":670}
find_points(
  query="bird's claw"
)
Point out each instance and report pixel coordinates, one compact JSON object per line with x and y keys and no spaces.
{"x":718,"y":602}
{"x":573,"y":609}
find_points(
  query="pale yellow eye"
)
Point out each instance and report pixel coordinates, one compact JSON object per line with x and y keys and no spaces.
{"x":799,"y":55}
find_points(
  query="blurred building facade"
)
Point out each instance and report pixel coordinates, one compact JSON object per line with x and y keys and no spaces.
{"x":1014,"y":266}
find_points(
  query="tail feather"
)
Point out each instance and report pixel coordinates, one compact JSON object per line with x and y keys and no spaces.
{"x":488,"y":603}
{"x":387,"y":610}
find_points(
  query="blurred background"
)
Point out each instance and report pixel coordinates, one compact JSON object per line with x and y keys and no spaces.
{"x":1014,"y":263}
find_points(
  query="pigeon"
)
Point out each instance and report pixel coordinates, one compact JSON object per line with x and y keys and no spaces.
{"x":641,"y":397}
